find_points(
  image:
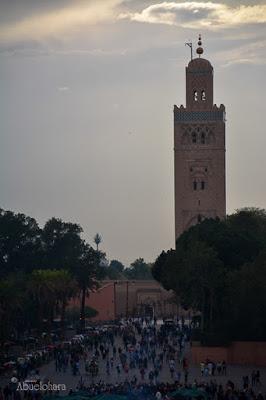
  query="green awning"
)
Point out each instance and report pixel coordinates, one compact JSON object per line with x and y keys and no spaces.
{"x":193,"y":393}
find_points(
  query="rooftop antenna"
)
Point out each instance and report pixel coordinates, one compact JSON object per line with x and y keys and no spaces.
{"x":189,"y":44}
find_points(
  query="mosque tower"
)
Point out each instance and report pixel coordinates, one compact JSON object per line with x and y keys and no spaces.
{"x":199,"y":149}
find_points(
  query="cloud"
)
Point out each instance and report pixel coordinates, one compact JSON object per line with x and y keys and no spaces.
{"x":41,"y":49}
{"x":252,"y":53}
{"x":191,"y":14}
{"x":64,"y":89}
{"x":52,"y":23}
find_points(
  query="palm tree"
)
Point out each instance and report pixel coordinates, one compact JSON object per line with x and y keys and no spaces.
{"x":97,"y":240}
{"x":51,"y":290}
{"x":42,"y":291}
{"x":65,"y":287}
{"x":87,"y":274}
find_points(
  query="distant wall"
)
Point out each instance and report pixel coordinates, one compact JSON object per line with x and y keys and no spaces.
{"x":127,"y":297}
{"x":102,"y":300}
{"x":248,"y":353}
{"x":200,"y":353}
{"x":238,"y":353}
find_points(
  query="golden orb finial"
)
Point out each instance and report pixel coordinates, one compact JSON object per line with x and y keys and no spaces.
{"x":199,"y":49}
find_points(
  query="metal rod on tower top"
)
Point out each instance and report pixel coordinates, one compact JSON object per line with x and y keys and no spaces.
{"x":189,"y":44}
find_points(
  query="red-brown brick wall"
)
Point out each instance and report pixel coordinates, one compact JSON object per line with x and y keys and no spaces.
{"x":102,"y":301}
{"x":238,"y":353}
{"x":199,"y":354}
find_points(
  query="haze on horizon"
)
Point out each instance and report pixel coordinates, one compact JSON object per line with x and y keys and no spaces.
{"x":86,"y":100}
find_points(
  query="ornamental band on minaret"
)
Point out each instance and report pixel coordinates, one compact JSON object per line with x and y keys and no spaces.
{"x":199,"y":147}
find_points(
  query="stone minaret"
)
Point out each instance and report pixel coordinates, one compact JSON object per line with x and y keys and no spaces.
{"x":199,"y":146}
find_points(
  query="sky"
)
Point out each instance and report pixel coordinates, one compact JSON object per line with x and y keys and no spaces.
{"x":87,"y":89}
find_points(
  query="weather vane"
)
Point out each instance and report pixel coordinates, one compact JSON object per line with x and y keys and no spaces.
{"x":189,"y":44}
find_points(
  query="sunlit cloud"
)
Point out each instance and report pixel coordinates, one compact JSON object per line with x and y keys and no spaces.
{"x":253,"y":53}
{"x":191,"y":14}
{"x":64,"y":20}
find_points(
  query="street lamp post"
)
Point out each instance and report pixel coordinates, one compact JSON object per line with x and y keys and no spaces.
{"x":127,"y":295}
{"x":127,"y":283}
{"x":115,"y":283}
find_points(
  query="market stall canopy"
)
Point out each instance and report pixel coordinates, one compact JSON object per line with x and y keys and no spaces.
{"x":189,"y":393}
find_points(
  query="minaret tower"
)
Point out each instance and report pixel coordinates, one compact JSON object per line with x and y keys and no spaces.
{"x":199,"y":146}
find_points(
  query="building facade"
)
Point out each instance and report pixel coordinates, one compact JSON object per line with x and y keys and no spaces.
{"x":199,"y":149}
{"x":127,"y":298}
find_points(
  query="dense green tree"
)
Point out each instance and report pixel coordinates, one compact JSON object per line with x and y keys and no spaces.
{"x":139,"y":270}
{"x":196,"y":275}
{"x":87,"y":272}
{"x":213,"y":267}
{"x":41,"y":289}
{"x":233,"y":246}
{"x":64,"y":248}
{"x":40,"y":270}
{"x":65,"y":288}
{"x":248,"y":300}
{"x":117,"y":266}
{"x":62,"y":244}
{"x":115,"y":270}
{"x":20,"y":243}
{"x":12,"y":306}
{"x":158,"y":268}
{"x":50,"y":292}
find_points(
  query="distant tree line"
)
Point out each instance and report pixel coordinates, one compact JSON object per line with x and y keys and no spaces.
{"x":138,"y":270}
{"x":219,"y":269}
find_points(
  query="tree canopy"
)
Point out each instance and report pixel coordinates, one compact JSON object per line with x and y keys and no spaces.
{"x":41,"y":269}
{"x":215,"y":264}
{"x":139,"y":269}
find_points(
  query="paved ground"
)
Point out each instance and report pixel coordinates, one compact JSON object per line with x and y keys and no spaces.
{"x":234,"y":373}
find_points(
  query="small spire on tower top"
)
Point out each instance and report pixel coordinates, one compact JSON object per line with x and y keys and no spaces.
{"x":199,"y":49}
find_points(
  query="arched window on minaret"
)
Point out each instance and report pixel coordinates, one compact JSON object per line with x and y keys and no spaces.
{"x":194,"y":137}
{"x":203,"y":138}
{"x":202,"y":185}
{"x":195,"y":95}
{"x":195,"y":185}
{"x":203,"y":95}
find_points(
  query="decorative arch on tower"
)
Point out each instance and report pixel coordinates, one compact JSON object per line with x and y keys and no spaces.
{"x":198,"y":177}
{"x":198,"y":134}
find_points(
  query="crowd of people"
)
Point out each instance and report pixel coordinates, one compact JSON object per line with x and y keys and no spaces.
{"x":127,"y":348}
{"x":163,"y":391}
{"x":146,"y":391}
{"x":136,"y":355}
{"x":210,"y":368}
